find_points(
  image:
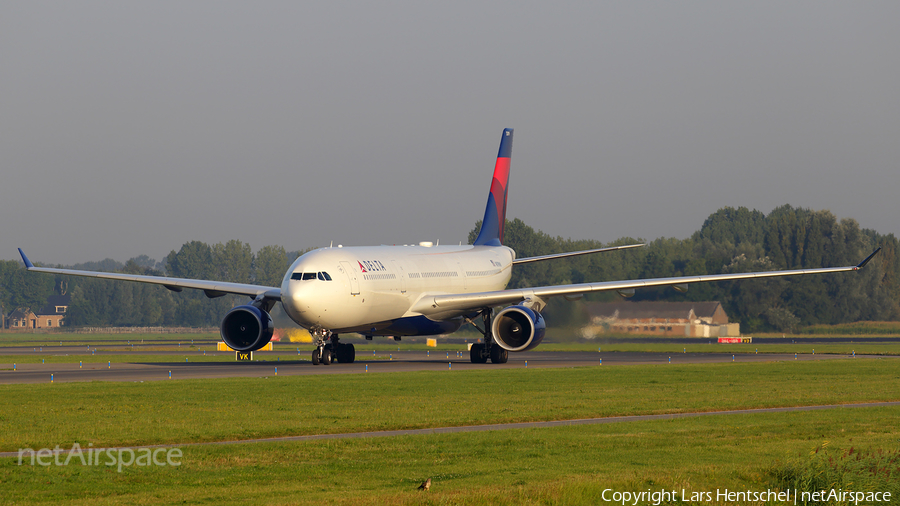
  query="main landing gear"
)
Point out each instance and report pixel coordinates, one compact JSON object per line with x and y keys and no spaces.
{"x":480,"y":352}
{"x":329,"y":349}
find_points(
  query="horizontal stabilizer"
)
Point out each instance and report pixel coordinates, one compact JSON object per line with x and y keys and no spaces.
{"x":528,"y":260}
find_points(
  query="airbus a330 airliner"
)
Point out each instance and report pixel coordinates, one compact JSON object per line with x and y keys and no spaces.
{"x":413,"y":290}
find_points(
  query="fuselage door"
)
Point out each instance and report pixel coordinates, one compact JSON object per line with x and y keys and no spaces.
{"x":354,"y":280}
{"x":401,"y":275}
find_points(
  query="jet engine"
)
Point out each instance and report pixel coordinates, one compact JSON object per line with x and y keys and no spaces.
{"x":518,"y":328}
{"x":247,"y":328}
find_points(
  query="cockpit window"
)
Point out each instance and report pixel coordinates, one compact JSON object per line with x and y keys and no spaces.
{"x":303,"y":276}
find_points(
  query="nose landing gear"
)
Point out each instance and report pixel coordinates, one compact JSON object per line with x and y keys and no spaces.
{"x":329,"y":349}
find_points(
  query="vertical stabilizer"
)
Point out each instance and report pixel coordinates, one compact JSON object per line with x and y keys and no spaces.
{"x":495,"y":212}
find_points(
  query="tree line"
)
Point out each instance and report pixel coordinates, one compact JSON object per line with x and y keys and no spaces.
{"x":738,"y":240}
{"x":100,"y":302}
{"x":730,"y":240}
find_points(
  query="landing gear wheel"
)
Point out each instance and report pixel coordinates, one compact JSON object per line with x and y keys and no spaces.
{"x":326,"y":356}
{"x":499,"y":355}
{"x":345,"y":353}
{"x":349,"y":353}
{"x":476,"y":354}
{"x":315,"y":357}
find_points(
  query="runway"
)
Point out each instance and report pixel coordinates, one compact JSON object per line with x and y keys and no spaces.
{"x":290,"y":364}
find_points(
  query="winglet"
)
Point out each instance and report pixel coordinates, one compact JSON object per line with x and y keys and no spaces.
{"x":28,"y":264}
{"x":494,"y":221}
{"x":864,"y":262}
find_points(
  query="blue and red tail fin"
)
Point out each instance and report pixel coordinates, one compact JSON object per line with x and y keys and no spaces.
{"x":495,"y":212}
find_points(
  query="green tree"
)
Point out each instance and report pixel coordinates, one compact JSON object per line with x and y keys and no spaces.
{"x":232,"y":261}
{"x":82,"y":310}
{"x":193,"y":261}
{"x":269,"y":266}
{"x":18,"y":288}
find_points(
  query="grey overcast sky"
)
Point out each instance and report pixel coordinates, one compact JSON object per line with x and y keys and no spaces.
{"x":130,"y":128}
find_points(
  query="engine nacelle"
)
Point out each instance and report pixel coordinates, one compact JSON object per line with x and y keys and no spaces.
{"x":247,"y":328}
{"x":518,"y":328}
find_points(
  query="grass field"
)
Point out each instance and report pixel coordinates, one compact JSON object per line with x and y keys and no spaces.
{"x":796,"y":347}
{"x":857,"y":328}
{"x":115,"y":414}
{"x":563,"y":465}
{"x":17,"y":339}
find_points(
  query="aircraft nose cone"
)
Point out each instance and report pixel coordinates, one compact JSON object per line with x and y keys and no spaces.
{"x":292,"y":300}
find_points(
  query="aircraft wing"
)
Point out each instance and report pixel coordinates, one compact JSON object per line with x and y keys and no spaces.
{"x":210,"y":288}
{"x":435,"y":304}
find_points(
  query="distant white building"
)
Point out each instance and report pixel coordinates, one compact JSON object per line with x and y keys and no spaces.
{"x":683,"y":319}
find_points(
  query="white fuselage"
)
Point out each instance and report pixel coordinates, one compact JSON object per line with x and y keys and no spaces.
{"x":368,"y":289}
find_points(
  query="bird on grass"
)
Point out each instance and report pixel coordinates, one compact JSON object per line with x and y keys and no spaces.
{"x":425,"y":485}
